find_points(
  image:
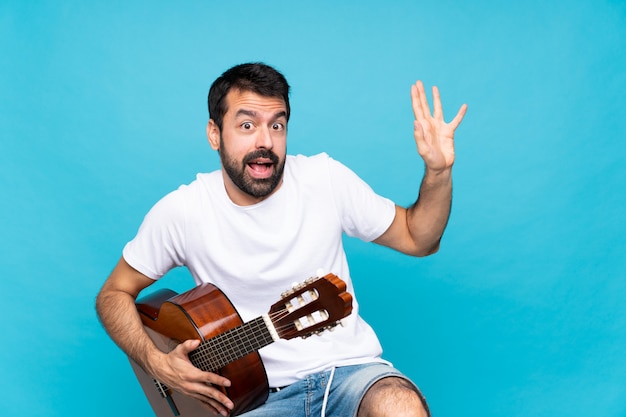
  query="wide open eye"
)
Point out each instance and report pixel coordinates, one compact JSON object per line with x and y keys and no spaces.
{"x":278,"y":126}
{"x":246,"y":125}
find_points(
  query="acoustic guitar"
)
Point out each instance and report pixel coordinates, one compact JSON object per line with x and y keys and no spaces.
{"x":230,"y":347}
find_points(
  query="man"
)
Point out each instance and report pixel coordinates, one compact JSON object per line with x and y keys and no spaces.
{"x":265,"y":220}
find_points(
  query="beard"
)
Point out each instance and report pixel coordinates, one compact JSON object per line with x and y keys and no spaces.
{"x":236,"y":170}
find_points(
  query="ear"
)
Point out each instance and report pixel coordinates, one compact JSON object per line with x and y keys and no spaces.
{"x":213,"y":135}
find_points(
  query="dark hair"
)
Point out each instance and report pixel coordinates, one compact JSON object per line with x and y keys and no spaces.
{"x":255,"y":77}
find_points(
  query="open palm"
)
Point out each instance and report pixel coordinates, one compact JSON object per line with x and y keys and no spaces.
{"x":433,"y":136}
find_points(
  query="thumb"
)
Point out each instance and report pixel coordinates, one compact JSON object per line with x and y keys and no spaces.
{"x":187,"y":346}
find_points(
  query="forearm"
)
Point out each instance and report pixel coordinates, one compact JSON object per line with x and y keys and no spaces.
{"x":116,"y":308}
{"x":118,"y":314}
{"x":428,"y":217}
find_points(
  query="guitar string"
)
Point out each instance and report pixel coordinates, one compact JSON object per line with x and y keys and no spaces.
{"x":235,"y":343}
{"x":207,"y":356}
{"x":219,"y":351}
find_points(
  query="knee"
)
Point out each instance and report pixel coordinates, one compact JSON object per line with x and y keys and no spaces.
{"x":393,"y":396}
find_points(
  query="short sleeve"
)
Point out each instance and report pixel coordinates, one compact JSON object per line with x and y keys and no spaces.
{"x":160,"y":241}
{"x":363,"y":213}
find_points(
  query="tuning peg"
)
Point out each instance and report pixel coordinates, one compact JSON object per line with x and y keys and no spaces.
{"x":309,"y":280}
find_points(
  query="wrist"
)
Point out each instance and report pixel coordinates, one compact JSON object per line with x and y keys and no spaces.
{"x":153,"y":360}
{"x":437,"y":176}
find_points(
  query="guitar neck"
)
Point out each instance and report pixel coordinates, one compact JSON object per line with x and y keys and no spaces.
{"x":227,"y":347}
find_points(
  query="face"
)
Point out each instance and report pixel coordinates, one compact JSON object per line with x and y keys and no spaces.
{"x":252,"y":145}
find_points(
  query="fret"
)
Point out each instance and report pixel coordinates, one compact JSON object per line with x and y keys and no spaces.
{"x":219,"y":351}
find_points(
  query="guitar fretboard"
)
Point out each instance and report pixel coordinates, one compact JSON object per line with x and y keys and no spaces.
{"x":219,"y":351}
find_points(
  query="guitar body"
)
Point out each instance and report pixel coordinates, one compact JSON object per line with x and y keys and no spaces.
{"x":229,"y":347}
{"x":201,"y":313}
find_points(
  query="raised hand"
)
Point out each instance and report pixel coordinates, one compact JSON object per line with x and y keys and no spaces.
{"x":433,"y":136}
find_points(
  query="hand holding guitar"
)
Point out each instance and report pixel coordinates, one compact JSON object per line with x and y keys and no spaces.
{"x":176,"y":371}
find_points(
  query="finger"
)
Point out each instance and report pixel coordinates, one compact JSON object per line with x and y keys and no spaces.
{"x":188,"y":346}
{"x":215,"y":379}
{"x":416,"y":102}
{"x":437,"y":109}
{"x":211,"y":395}
{"x":215,"y":405}
{"x":423,"y":99}
{"x":459,"y":117}
{"x":217,"y":398}
{"x":211,"y":408}
{"x":222,"y":404}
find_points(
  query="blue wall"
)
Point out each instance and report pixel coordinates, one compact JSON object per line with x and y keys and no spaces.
{"x":102,"y":111}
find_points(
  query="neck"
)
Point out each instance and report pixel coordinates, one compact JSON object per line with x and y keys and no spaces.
{"x":219,"y":351}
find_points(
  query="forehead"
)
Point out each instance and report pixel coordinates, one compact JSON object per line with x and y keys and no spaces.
{"x":237,"y":100}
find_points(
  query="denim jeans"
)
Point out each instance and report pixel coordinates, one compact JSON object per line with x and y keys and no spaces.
{"x":312,"y":395}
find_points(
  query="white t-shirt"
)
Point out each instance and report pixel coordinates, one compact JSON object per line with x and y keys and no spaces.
{"x":254,"y":253}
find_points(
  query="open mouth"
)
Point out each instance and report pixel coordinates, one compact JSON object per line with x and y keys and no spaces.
{"x":261,"y":163}
{"x":261,"y":168}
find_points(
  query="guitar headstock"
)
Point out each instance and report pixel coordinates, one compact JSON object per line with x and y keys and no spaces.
{"x":311,"y":307}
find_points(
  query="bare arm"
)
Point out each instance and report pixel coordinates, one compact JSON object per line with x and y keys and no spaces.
{"x":418,"y":230}
{"x":116,"y":308}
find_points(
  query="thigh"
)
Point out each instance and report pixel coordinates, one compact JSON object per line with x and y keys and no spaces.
{"x":334,"y":393}
{"x":290,"y":401}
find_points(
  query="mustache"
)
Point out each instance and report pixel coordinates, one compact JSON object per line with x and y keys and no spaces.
{"x":261,"y":153}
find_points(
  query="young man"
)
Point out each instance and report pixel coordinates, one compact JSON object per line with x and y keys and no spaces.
{"x":265,"y":220}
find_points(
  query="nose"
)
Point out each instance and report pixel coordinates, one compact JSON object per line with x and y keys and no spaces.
{"x":264,"y":139}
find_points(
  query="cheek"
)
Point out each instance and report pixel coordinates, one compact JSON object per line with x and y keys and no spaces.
{"x":280,"y":144}
{"x":233,"y":145}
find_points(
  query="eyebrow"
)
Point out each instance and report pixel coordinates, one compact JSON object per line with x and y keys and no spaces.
{"x":252,"y":113}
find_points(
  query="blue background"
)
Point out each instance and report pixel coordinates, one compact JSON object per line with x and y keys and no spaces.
{"x":522,"y":312}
